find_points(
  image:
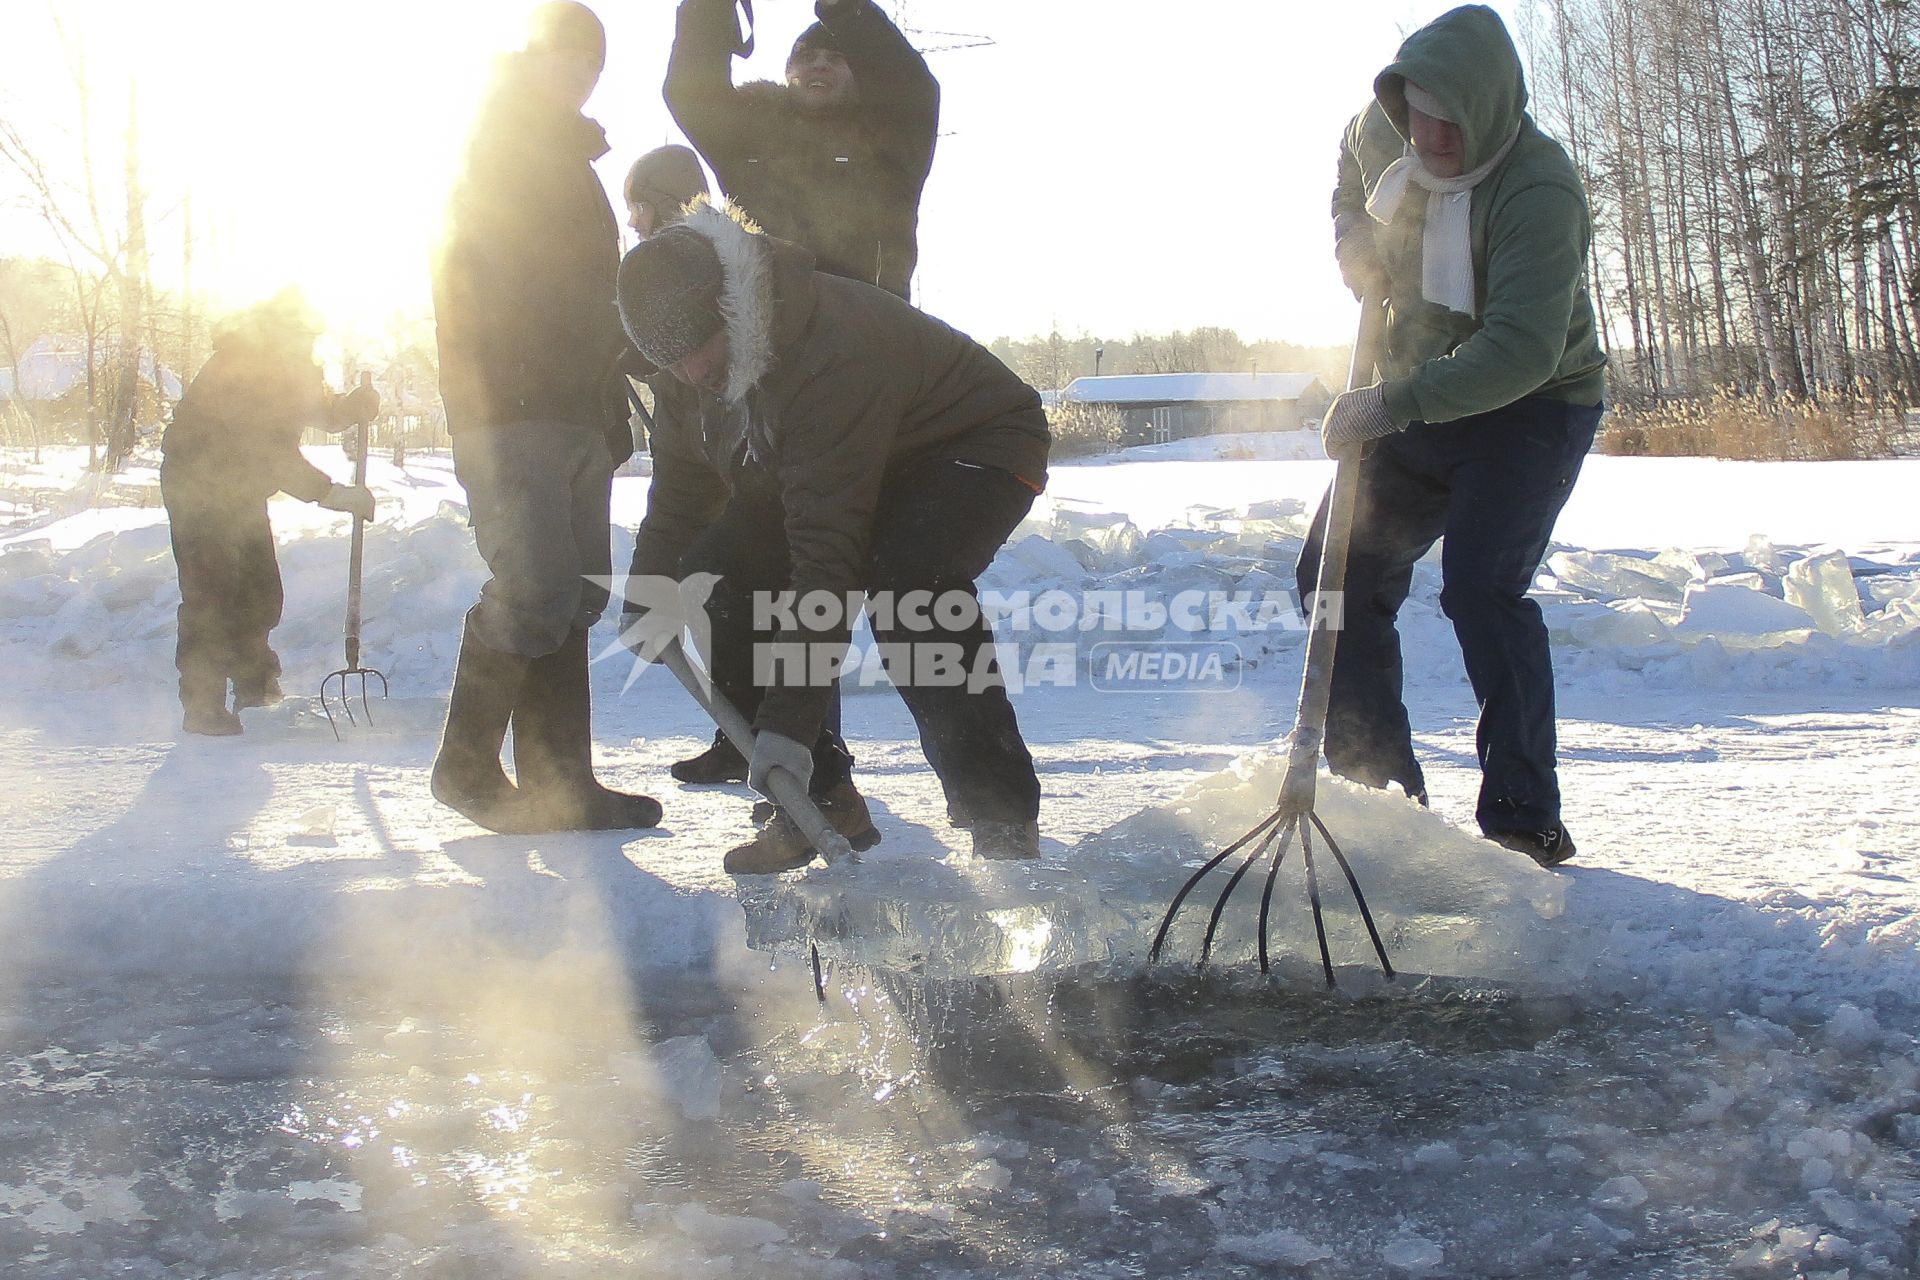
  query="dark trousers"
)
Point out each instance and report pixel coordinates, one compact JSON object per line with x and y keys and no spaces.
{"x":747,"y":547}
{"x":537,"y":497}
{"x":230,"y":594}
{"x":937,"y":528}
{"x":1492,"y":487}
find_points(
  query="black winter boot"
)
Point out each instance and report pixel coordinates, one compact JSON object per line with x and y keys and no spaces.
{"x":257,"y":683}
{"x":553,"y":750}
{"x":721,"y":762}
{"x":257,"y":691}
{"x":205,"y":703}
{"x":1549,"y":846}
{"x":212,"y":722}
{"x":467,"y":776}
{"x":1005,"y":841}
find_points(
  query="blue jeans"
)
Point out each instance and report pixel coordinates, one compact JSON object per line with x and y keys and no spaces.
{"x":1492,"y":486}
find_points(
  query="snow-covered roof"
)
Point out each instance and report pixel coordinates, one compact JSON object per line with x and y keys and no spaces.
{"x":1180,"y":388}
{"x":56,"y":364}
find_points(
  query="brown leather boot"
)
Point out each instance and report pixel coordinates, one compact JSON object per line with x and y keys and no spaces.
{"x":780,"y":845}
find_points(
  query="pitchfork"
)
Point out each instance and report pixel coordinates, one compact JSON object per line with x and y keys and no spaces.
{"x":357,"y":548}
{"x":1294,"y":812}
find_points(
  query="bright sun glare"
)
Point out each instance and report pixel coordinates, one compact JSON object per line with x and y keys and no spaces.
{"x":301,"y":144}
{"x":313,"y":144}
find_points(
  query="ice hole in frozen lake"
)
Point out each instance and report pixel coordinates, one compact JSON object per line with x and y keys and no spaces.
{"x":1448,"y":904}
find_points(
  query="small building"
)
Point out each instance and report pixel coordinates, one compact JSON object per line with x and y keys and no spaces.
{"x":54,"y":368}
{"x":1159,"y":407}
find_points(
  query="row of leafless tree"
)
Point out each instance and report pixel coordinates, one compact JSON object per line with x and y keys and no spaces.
{"x":101,"y":288}
{"x":1052,"y":362}
{"x":1752,"y":166}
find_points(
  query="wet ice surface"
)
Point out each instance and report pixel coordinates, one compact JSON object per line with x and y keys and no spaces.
{"x":1011,"y":1127}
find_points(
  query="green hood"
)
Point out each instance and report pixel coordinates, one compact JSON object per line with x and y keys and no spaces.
{"x":1464,"y":58}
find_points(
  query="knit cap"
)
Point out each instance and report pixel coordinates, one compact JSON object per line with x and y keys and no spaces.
{"x":815,"y":37}
{"x":669,"y":291}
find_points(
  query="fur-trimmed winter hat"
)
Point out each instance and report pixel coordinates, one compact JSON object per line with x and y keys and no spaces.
{"x":666,"y":176}
{"x":815,"y":37}
{"x":558,"y":26}
{"x":669,"y":293}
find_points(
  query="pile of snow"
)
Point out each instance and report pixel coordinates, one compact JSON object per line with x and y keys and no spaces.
{"x":88,"y":599}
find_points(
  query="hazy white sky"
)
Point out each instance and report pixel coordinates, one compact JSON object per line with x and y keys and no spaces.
{"x":1106,"y":165}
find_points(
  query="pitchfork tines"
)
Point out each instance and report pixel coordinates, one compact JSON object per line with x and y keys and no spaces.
{"x":1270,"y":839}
{"x":1294,"y":812}
{"x":356,"y":552}
{"x":352,"y":671}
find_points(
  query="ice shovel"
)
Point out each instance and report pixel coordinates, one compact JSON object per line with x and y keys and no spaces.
{"x":1294,"y":811}
{"x":356,"y":551}
{"x":788,"y":791}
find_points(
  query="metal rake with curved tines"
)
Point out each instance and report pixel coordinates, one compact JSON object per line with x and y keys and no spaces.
{"x":355,"y":552}
{"x":1294,"y":814}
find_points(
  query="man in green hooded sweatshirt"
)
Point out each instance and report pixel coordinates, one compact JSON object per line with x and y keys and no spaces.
{"x":1471,"y":226}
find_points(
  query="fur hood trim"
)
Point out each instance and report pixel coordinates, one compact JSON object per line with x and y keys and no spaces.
{"x":746,"y":290}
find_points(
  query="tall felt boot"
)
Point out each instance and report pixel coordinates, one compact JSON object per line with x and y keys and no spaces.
{"x":553,"y":750}
{"x":204,"y":700}
{"x":467,"y":776}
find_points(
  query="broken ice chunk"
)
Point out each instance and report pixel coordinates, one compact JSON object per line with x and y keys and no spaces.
{"x":1619,"y":577}
{"x":315,"y":826}
{"x":1823,"y":585}
{"x":1278,"y":1247}
{"x":1620,"y":1193}
{"x":1739,"y":615}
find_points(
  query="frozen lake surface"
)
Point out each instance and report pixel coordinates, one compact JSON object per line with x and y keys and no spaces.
{"x":267,"y":1011}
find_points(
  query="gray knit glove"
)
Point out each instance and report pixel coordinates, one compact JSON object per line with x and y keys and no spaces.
{"x":777,"y":751}
{"x":1356,"y":417}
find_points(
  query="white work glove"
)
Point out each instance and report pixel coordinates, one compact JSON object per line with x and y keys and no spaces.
{"x":353,"y":499}
{"x":1356,"y":417}
{"x":777,"y":751}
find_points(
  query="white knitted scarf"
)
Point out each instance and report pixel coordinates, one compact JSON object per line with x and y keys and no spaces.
{"x":1446,"y":254}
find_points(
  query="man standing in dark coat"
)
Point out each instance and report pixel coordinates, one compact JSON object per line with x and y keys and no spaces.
{"x":233,"y":443}
{"x":895,"y":455}
{"x":537,"y":408}
{"x":834,"y":159}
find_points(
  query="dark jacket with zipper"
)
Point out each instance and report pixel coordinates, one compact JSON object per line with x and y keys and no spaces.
{"x":846,"y":183}
{"x":523,"y":284}
{"x":693,"y":464}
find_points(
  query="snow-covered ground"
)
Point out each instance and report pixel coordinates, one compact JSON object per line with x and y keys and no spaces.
{"x":270,"y":1011}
